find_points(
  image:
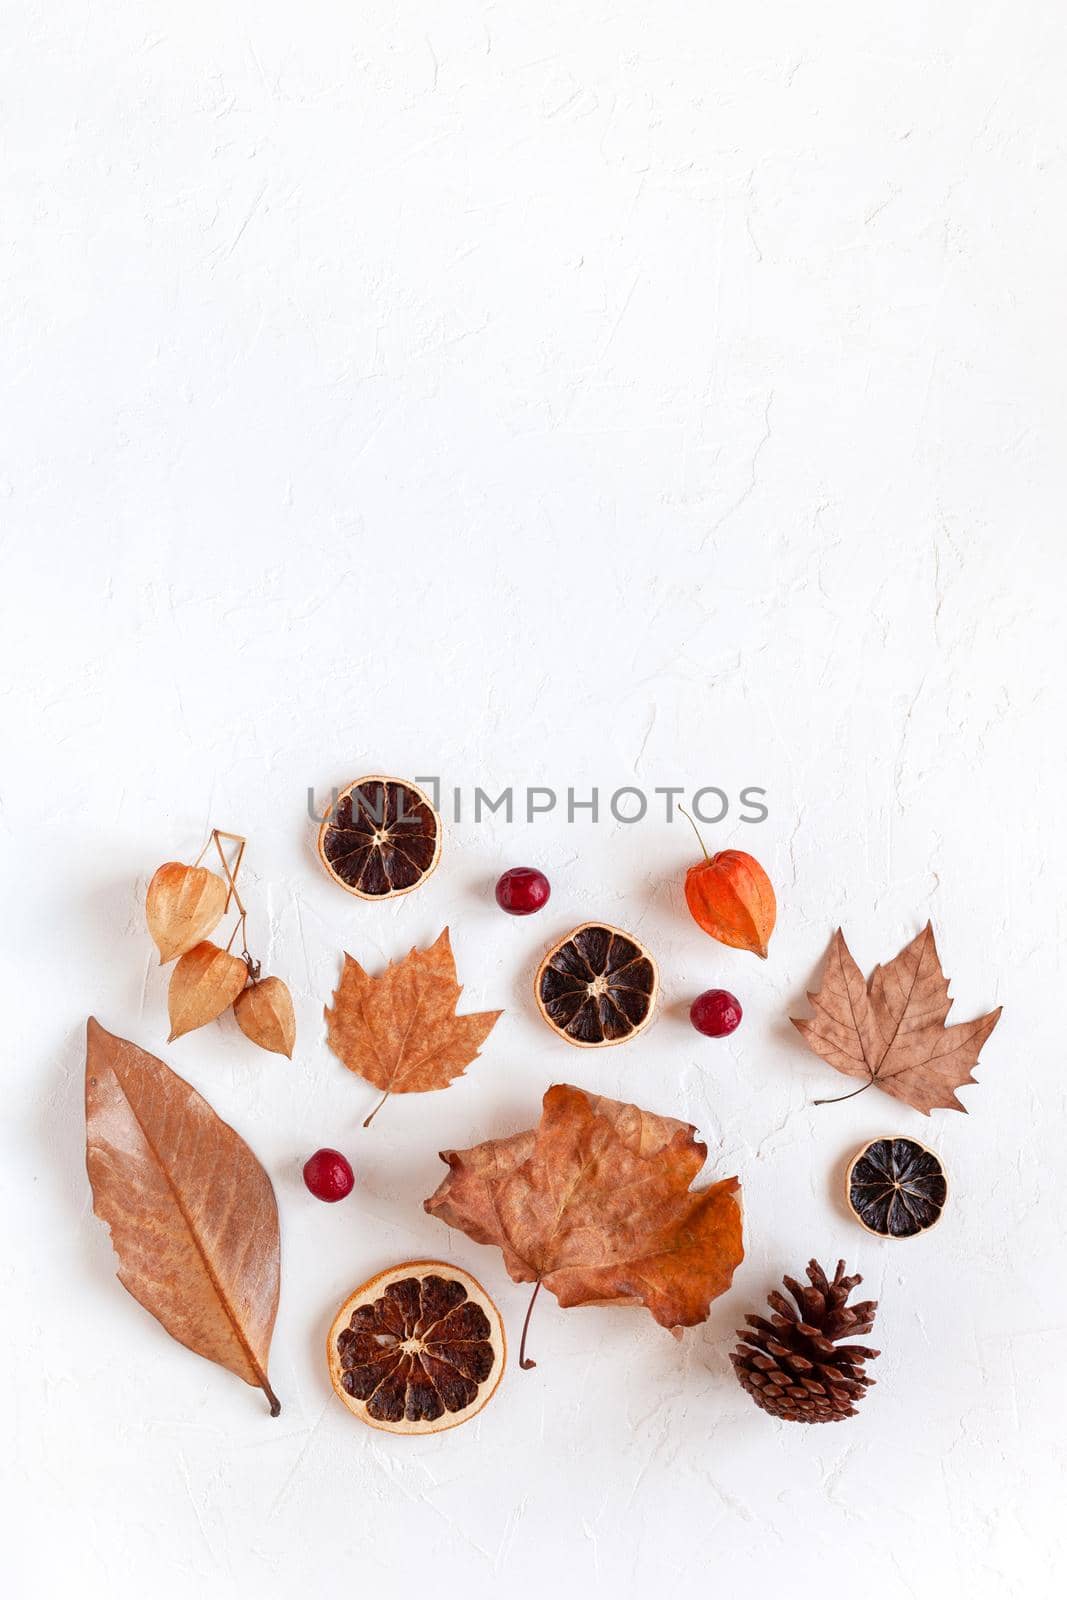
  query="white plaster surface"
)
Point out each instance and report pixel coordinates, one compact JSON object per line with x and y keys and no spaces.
{"x":553,"y":394}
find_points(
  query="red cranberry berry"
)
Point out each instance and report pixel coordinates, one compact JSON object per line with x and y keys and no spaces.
{"x":328,"y":1175}
{"x":715,"y":1012}
{"x":522,"y":890}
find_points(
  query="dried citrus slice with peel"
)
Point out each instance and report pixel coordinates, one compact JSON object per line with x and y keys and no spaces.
{"x":896,"y":1188}
{"x":597,"y":986}
{"x":381,"y":838}
{"x":417,"y":1349}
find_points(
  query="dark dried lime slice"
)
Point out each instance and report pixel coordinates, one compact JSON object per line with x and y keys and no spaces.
{"x":597,"y":986}
{"x":381,"y":838}
{"x":418,"y":1349}
{"x":896,"y":1188}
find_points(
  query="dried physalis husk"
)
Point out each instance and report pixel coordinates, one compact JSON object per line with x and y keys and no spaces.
{"x":184,"y":904}
{"x":203,"y":985}
{"x":264,"y":1013}
{"x":731,"y":897}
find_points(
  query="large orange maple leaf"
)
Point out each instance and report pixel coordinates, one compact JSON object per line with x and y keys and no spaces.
{"x":595,"y":1203}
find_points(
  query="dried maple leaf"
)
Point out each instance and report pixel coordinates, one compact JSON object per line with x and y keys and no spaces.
{"x":595,"y":1204}
{"x":192,"y":1213}
{"x":891,"y":1031}
{"x":401,"y":1031}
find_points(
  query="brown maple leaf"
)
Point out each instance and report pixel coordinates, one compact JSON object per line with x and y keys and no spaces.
{"x":595,"y":1204}
{"x":401,"y":1031}
{"x":892,"y":1031}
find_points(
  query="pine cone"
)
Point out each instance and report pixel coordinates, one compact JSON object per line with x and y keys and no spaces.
{"x":792,"y":1366}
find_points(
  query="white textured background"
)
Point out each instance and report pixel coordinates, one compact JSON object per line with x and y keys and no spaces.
{"x":567,"y":394}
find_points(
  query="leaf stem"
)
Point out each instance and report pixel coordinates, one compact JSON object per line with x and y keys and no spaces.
{"x":696,"y":830}
{"x":524,"y":1361}
{"x":377,"y":1108}
{"x":275,"y":1403}
{"x":837,"y":1098}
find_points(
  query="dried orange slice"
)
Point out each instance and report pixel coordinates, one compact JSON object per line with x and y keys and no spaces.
{"x":417,"y":1349}
{"x":896,"y":1188}
{"x":382,"y":838}
{"x":597,"y":986}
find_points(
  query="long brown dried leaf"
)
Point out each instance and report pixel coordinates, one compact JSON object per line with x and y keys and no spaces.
{"x":192,"y":1213}
{"x":401,"y":1031}
{"x":892,"y":1030}
{"x":595,"y":1203}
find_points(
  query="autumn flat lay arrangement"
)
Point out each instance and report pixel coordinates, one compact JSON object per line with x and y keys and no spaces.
{"x":596,"y":1203}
